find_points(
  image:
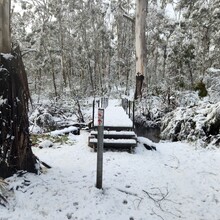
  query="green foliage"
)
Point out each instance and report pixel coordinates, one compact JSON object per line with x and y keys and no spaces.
{"x":60,"y":139}
{"x":201,"y":88}
{"x":181,"y":84}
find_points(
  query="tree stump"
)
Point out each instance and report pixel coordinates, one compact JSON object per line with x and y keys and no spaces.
{"x":15,"y":147}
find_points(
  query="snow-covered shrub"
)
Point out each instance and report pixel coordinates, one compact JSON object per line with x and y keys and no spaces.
{"x":44,"y":120}
{"x":193,"y":123}
{"x":181,"y":124}
{"x":212,"y":81}
{"x":187,"y":98}
{"x":149,"y":111}
{"x":212,"y":123}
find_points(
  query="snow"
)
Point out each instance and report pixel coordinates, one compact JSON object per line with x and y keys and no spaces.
{"x":114,"y":116}
{"x":129,"y":133}
{"x":146,"y":141}
{"x":214,"y":70}
{"x":170,"y":12}
{"x":2,"y":101}
{"x":7,"y":56}
{"x":117,"y":141}
{"x":63,"y":131}
{"x":45,"y":144}
{"x":186,"y":177}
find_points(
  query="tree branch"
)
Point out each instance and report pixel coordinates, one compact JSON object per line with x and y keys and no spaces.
{"x":125,"y":15}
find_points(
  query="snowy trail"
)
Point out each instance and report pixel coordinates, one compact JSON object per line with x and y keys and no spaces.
{"x":67,"y":191}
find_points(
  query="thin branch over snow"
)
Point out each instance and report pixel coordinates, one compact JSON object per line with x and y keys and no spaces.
{"x":158,"y":196}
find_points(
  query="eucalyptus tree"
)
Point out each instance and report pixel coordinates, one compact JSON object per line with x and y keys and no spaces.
{"x":5,"y":37}
{"x":15,"y":147}
{"x":140,"y":44}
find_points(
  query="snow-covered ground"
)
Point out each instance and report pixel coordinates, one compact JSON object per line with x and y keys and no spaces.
{"x":175,"y":182}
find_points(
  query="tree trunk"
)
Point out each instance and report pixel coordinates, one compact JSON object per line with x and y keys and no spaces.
{"x":5,"y":39}
{"x":140,"y":26}
{"x":15,"y":146}
{"x":61,"y":33}
{"x":139,"y":84}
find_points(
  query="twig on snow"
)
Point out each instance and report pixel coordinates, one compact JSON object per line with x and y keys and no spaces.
{"x":177,"y":165}
{"x":132,"y":194}
{"x":154,"y":196}
{"x":129,"y":193}
{"x":154,"y":213}
{"x":158,"y":197}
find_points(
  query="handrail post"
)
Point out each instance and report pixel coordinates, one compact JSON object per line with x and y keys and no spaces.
{"x":93,"y":112}
{"x":133,"y":113}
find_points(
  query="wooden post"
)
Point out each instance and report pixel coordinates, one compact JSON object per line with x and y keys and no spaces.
{"x":129,"y":109}
{"x":93,"y":112}
{"x":5,"y":36}
{"x":100,"y":148}
{"x":133,"y":113}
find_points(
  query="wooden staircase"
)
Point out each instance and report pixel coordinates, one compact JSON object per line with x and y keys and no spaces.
{"x":120,"y":140}
{"x":118,"y":131}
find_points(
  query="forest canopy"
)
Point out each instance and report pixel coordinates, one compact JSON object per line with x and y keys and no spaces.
{"x":89,"y":45}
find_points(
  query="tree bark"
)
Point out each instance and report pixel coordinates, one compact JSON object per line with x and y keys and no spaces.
{"x":61,"y":33}
{"x":5,"y":38}
{"x":139,"y":84}
{"x":15,"y":146}
{"x":140,"y":26}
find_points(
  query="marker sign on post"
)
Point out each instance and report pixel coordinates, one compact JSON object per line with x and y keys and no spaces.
{"x":101,"y":117}
{"x":100,"y":148}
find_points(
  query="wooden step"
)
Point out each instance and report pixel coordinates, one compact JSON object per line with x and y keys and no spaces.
{"x":114,"y":143}
{"x":116,"y":134}
{"x":116,"y":128}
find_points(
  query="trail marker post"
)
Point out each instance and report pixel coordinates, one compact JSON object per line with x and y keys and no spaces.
{"x":100,"y":148}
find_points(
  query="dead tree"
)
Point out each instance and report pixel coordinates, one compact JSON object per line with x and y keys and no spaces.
{"x":15,"y":146}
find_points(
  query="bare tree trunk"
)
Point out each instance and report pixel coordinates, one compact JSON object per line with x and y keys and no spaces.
{"x":140,"y":26}
{"x":5,"y":37}
{"x":164,"y":61}
{"x":62,"y":58}
{"x":53,"y":74}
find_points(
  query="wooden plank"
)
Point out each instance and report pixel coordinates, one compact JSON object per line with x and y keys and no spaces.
{"x":116,"y":128}
{"x":116,"y":134}
{"x":115,"y":141}
{"x":112,"y":143}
